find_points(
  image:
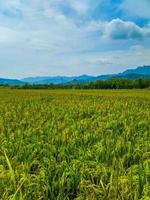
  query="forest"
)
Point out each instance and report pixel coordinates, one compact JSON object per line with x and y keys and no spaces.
{"x":113,"y":83}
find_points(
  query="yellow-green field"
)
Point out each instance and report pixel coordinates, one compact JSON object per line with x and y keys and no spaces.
{"x":70,"y":144}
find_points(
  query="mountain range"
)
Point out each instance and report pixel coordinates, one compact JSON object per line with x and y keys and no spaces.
{"x":4,"y":81}
{"x":139,"y":72}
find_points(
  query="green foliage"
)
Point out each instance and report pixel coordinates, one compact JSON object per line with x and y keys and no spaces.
{"x":74,"y":144}
{"x":113,"y":83}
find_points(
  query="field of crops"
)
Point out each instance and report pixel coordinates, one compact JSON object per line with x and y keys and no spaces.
{"x":83,"y":145}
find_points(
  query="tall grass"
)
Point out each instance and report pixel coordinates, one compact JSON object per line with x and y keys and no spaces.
{"x":83,"y":145}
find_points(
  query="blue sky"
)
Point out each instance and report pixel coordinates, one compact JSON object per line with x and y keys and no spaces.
{"x":72,"y":37}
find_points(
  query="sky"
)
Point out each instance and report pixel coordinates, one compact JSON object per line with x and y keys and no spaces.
{"x":73,"y":37}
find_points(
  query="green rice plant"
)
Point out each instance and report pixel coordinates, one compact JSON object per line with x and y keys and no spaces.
{"x":74,"y":144}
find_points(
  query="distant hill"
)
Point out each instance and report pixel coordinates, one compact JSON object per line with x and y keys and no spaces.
{"x":65,"y":79}
{"x":133,"y":76}
{"x":57,"y":79}
{"x":139,"y":72}
{"x":144,"y":70}
{"x":4,"y":81}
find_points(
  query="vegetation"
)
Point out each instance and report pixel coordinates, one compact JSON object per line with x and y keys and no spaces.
{"x":74,"y":144}
{"x":113,"y":83}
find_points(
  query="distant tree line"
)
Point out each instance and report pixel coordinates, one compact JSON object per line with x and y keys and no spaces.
{"x":113,"y":83}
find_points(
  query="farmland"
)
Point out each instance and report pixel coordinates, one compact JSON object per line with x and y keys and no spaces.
{"x":74,"y":144}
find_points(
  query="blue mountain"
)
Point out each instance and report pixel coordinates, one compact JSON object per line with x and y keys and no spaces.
{"x":144,"y":70}
{"x":57,"y":79}
{"x":4,"y":81}
{"x":139,"y":72}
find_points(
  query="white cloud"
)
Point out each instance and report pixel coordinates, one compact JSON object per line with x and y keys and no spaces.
{"x":124,"y":30}
{"x":45,"y":41}
{"x":73,"y":64}
{"x":79,"y":6}
{"x":8,"y":35}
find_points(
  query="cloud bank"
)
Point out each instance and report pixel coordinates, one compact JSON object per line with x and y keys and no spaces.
{"x":71,"y":37}
{"x":118,"y":29}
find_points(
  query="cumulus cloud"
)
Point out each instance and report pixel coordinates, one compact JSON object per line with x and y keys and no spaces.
{"x":124,"y":30}
{"x":38,"y":37}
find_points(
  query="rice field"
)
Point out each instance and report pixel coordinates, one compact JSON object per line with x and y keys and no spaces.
{"x":74,"y":144}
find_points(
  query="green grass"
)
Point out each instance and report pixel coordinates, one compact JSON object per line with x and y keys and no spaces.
{"x":70,"y":144}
